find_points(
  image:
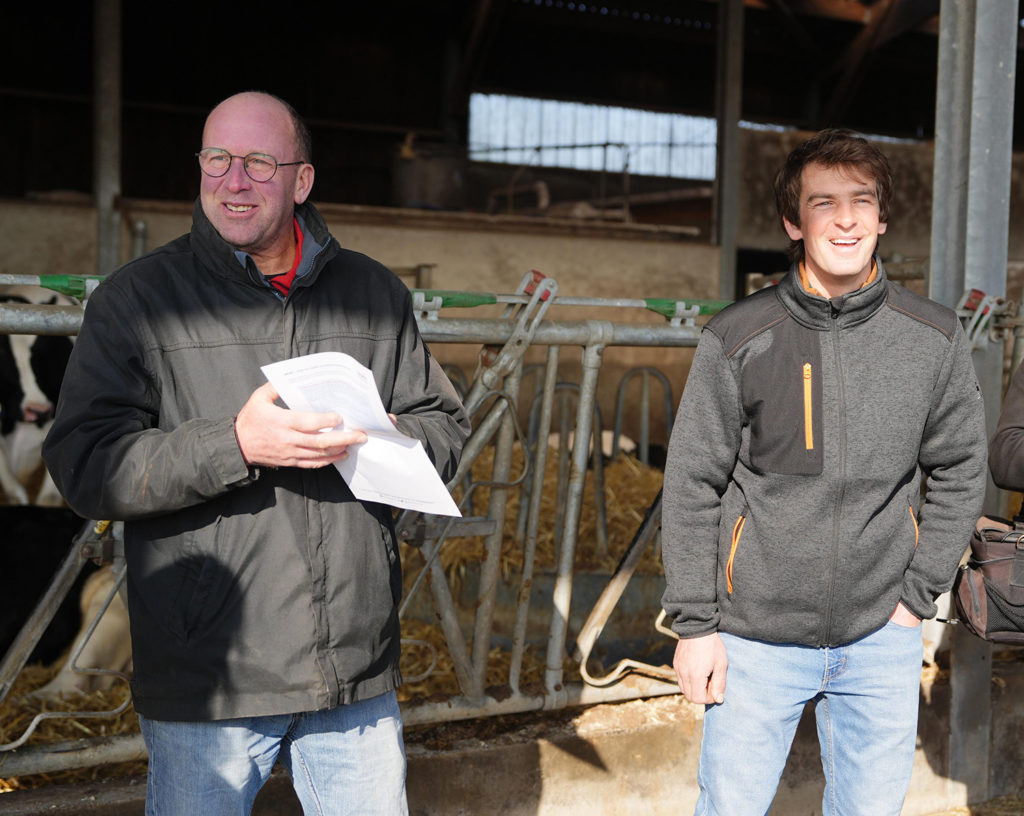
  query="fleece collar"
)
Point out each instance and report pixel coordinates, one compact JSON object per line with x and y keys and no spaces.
{"x":818,"y":312}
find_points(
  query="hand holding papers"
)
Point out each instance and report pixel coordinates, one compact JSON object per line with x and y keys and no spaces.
{"x":389,"y":467}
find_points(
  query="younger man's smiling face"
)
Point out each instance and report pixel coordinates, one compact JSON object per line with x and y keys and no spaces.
{"x":839,"y":226}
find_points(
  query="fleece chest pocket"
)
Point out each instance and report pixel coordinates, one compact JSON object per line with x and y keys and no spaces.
{"x":782,"y":399}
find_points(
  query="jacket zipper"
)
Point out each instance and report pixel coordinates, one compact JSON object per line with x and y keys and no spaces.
{"x":841,"y":431}
{"x":808,"y":409}
{"x":737,"y":531}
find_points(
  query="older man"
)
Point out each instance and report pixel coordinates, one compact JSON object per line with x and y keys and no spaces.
{"x":262,"y":594}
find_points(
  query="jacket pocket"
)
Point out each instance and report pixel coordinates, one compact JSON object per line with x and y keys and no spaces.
{"x":737,"y":532}
{"x":392,"y":565}
{"x":202,"y":578}
{"x":781,"y":391}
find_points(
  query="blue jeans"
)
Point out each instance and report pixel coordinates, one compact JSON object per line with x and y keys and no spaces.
{"x":344,"y":760}
{"x":865,"y":700}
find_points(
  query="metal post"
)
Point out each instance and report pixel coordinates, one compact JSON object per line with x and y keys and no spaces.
{"x":533,"y":519}
{"x":729,"y":91}
{"x":490,"y":569}
{"x":107,"y":133}
{"x":970,"y":224}
{"x":562,"y":592}
{"x":945,"y":275}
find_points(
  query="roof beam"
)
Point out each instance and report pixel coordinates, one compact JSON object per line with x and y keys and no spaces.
{"x":889,"y":19}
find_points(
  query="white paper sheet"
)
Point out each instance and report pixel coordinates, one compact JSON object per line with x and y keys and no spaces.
{"x":389,"y":467}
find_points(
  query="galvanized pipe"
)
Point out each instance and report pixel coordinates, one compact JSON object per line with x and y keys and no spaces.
{"x":597,"y":460}
{"x":66,"y":756}
{"x":633,"y":687}
{"x":41,"y":318}
{"x":490,"y":569}
{"x":599,"y":331}
{"x":479,"y":330}
{"x":67,"y":320}
{"x":562,"y":477}
{"x":84,"y":753}
{"x":533,"y":519}
{"x":602,"y":609}
{"x":483,"y":432}
{"x":450,"y":627}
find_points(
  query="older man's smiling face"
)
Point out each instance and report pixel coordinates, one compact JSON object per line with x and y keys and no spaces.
{"x":255,"y":216}
{"x":839,"y":225}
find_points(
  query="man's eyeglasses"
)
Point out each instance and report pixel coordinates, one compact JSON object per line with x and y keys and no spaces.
{"x":215,"y":162}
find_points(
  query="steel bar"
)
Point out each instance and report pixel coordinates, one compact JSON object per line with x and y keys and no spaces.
{"x":591,"y":629}
{"x":66,"y":756}
{"x":597,"y":468}
{"x":66,"y":320}
{"x":474,"y":330}
{"x":39,"y":318}
{"x":562,"y":485}
{"x":433,"y":300}
{"x":522,"y":321}
{"x":490,"y":569}
{"x":632,"y":687}
{"x":562,"y":593}
{"x":483,"y":433}
{"x":449,"y":621}
{"x":643,"y":446}
{"x":533,"y":518}
{"x":84,"y":753}
{"x":532,"y":435}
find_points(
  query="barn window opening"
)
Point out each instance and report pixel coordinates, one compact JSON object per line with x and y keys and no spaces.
{"x":551,"y":133}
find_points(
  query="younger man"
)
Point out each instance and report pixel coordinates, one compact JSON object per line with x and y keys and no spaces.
{"x":798,"y":553}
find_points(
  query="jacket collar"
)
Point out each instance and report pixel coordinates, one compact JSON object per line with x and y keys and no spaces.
{"x":818,"y":312}
{"x":220,"y":256}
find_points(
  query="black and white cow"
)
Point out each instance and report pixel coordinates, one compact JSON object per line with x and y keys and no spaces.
{"x":31,"y":371}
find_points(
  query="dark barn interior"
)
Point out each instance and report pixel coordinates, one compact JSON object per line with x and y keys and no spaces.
{"x":372,"y":76}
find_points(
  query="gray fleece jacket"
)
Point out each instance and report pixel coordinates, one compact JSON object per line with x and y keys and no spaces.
{"x":792,"y":503}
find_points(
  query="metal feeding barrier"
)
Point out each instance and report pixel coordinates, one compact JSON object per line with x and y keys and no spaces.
{"x":492,"y":398}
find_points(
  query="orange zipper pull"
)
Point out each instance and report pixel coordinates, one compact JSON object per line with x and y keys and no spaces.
{"x":808,"y":409}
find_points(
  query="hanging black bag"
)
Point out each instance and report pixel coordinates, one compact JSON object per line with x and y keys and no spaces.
{"x":989,"y":589}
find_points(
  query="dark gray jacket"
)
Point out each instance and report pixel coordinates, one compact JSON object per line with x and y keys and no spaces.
{"x":250,"y":593}
{"x":792,"y":506}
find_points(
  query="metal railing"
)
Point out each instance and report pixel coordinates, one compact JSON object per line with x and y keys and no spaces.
{"x":492,"y":398}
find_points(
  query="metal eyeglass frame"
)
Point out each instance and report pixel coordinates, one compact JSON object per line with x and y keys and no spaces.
{"x":245,"y":165}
